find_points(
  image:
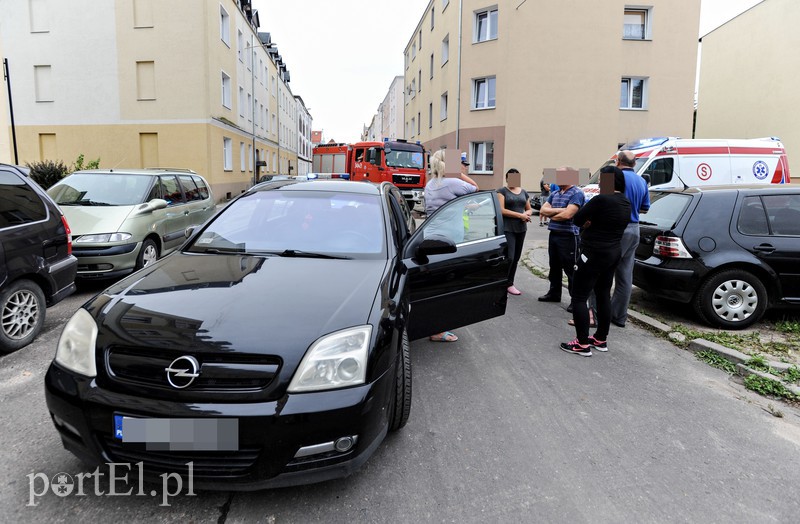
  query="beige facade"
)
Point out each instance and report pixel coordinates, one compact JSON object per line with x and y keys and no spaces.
{"x":184,"y":83}
{"x":746,"y":87}
{"x":557,"y":71}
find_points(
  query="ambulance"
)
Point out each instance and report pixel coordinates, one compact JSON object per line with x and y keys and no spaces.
{"x":668,"y":162}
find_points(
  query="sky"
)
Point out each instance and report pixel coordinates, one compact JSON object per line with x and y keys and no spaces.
{"x":343,"y":54}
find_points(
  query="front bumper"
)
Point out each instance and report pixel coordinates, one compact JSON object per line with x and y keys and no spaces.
{"x":270,"y":433}
{"x":106,"y":261}
{"x":413,"y":195}
{"x":660,"y":277}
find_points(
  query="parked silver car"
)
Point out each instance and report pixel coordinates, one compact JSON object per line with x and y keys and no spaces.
{"x":123,"y":219}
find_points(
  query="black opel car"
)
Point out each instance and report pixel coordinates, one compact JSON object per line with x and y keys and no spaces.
{"x":37,"y":268}
{"x":272,"y":349}
{"x":730,"y":251}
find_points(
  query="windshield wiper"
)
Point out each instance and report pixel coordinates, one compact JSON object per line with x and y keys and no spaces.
{"x":220,"y":250}
{"x":643,"y":223}
{"x":83,"y":203}
{"x":308,"y":254}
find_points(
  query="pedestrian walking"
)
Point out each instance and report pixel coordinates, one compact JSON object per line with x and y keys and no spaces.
{"x":440,"y":190}
{"x":604,"y":219}
{"x":516,"y":208}
{"x":636,"y":191}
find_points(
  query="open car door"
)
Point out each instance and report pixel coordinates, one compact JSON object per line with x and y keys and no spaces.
{"x":457,"y":266}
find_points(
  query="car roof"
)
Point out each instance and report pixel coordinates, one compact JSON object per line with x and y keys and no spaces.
{"x":338,"y":186}
{"x":144,"y":172}
{"x":732,"y":187}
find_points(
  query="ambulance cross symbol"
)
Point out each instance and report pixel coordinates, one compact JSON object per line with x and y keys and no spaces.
{"x":760,"y":170}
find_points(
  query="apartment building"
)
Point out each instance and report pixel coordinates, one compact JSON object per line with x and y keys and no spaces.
{"x":387,"y":122}
{"x":744,"y":89}
{"x":144,"y":83}
{"x":304,"y":147}
{"x":535,"y":85}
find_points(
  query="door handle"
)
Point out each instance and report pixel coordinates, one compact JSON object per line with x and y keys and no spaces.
{"x":495,"y":260}
{"x":764,"y":248}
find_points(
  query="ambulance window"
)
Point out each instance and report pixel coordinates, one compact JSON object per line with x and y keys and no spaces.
{"x":660,"y":171}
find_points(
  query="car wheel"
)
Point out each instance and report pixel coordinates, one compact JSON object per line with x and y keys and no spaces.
{"x":401,"y":403}
{"x":22,"y":312}
{"x":732,"y":299}
{"x":148,"y":254}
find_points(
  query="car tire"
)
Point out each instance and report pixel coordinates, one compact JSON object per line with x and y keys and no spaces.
{"x":401,"y":402}
{"x":147,"y":254}
{"x":731,"y":299}
{"x":22,"y":312}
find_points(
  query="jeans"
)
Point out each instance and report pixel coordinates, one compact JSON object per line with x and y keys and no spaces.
{"x":595,"y":273}
{"x":561,"y":250}
{"x":623,"y":276}
{"x":515,"y":242}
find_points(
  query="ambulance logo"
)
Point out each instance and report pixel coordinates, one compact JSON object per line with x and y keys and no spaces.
{"x":760,"y":170}
{"x":703,"y":172}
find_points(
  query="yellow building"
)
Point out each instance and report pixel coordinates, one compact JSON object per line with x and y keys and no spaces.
{"x":746,"y":87}
{"x":542,"y":84}
{"x":146,"y":83}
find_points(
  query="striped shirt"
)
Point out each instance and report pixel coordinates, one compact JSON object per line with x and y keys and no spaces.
{"x":561,"y":199}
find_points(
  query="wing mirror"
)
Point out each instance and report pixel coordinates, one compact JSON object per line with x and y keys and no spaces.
{"x":434,"y":245}
{"x":149,"y":207}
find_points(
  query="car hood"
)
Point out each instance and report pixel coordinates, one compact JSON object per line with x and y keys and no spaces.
{"x":85,"y":220}
{"x":233,"y":303}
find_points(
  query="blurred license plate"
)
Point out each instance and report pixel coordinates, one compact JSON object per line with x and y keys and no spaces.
{"x":179,"y":434}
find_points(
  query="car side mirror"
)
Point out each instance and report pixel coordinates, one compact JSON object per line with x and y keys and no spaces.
{"x":189,"y":230}
{"x":434,"y":245}
{"x":157,"y":203}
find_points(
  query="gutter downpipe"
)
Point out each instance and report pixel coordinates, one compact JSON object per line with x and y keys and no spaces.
{"x":458,"y":89}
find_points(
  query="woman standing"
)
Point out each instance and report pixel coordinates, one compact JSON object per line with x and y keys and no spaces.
{"x":439,"y":190}
{"x":544,"y":194}
{"x":516,"y":207}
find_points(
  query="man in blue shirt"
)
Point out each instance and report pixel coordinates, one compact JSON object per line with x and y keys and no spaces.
{"x":639,"y":197}
{"x":562,"y":246}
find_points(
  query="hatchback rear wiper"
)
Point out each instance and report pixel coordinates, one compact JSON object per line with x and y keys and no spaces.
{"x":308,"y":254}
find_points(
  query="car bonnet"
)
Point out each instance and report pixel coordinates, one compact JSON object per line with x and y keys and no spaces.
{"x":87,"y":220}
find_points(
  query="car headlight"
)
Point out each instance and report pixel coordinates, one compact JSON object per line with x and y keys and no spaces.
{"x":334,"y":361}
{"x":103,"y":238}
{"x":76,"y":345}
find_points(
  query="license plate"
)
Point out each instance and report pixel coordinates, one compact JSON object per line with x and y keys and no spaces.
{"x":179,"y":434}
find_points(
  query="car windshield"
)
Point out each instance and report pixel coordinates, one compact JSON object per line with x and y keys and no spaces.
{"x":297,"y":224}
{"x":665,"y":209}
{"x":101,"y":189}
{"x":409,"y":159}
{"x":595,"y":179}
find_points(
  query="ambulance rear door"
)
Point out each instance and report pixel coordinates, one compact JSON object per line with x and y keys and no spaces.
{"x":704,"y":162}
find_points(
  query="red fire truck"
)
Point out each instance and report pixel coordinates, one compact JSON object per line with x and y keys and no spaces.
{"x":398,"y":161}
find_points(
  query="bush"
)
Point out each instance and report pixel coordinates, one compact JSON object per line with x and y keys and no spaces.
{"x":78,"y":165}
{"x":47,"y":172}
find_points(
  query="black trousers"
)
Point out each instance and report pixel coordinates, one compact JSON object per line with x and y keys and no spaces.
{"x":562,"y":249}
{"x":595,"y":273}
{"x":515,"y":242}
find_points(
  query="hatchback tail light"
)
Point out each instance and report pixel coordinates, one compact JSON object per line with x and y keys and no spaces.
{"x":670,"y":247}
{"x":69,"y":234}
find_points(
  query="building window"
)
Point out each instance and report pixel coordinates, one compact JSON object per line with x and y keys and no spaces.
{"x":445,"y":4}
{"x":430,"y":115}
{"x":226,"y":90}
{"x":241,"y":101}
{"x":432,"y":13}
{"x":142,"y":13}
{"x":482,"y":154}
{"x":145,"y":80}
{"x":413,"y":125}
{"x":431,"y":65}
{"x":413,"y":51}
{"x":40,"y":21}
{"x":414,"y":88}
{"x":420,"y":40}
{"x":42,"y":77}
{"x":224,"y":26}
{"x":443,"y":107}
{"x":250,"y":156}
{"x":419,"y":122}
{"x":485,"y":25}
{"x":420,"y":80}
{"x":407,"y":60}
{"x":445,"y":49}
{"x":636,"y":24}
{"x":227,"y":154}
{"x":633,"y":93}
{"x":240,"y":45}
{"x":249,"y":107}
{"x":483,"y":96}
{"x":241,"y":155}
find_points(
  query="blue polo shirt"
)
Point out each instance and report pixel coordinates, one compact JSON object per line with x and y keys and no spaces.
{"x":560,"y":198}
{"x":636,"y":191}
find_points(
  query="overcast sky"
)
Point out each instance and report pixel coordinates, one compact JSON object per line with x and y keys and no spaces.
{"x":343,"y":54}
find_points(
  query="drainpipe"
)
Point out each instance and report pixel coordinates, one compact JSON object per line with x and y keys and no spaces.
{"x":7,"y":78}
{"x":458,"y":89}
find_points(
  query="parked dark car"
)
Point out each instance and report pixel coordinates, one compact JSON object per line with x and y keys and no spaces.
{"x":730,"y":251}
{"x":37,"y":268}
{"x":281,"y":327}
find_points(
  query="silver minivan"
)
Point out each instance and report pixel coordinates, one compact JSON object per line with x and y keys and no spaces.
{"x":123,"y":219}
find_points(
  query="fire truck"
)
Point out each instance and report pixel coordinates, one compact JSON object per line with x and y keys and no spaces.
{"x":397,"y":161}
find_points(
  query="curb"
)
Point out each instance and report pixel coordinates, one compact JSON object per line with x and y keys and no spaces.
{"x":699,"y":344}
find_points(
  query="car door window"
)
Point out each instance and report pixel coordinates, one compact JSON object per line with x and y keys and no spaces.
{"x":201,"y":187}
{"x":156,"y":191}
{"x":784,"y":214}
{"x":19,"y":203}
{"x":189,"y":188}
{"x":172,"y":191}
{"x":464,"y":219}
{"x":752,"y":217}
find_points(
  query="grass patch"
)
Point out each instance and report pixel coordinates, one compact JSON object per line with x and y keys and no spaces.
{"x":791,"y":327}
{"x":792,"y":375}
{"x":768,"y":387}
{"x":717,"y":361}
{"x":759,"y":363}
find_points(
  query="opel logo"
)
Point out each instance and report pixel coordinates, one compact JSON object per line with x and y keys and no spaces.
{"x":182,"y":372}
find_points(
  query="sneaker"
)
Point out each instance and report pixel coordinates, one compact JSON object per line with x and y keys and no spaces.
{"x":599,"y":345}
{"x":514,"y":291}
{"x":578,"y":349}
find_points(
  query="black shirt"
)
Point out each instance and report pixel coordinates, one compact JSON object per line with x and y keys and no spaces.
{"x":516,"y":203}
{"x":609,"y":215}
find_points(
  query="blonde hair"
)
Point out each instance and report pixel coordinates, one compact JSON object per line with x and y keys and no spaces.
{"x":437,"y":164}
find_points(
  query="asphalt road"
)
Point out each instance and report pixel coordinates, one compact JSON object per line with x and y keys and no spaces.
{"x":504,"y":427}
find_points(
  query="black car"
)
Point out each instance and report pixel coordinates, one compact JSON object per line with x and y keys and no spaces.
{"x":730,"y":251}
{"x":278,"y":335}
{"x":37,"y":268}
